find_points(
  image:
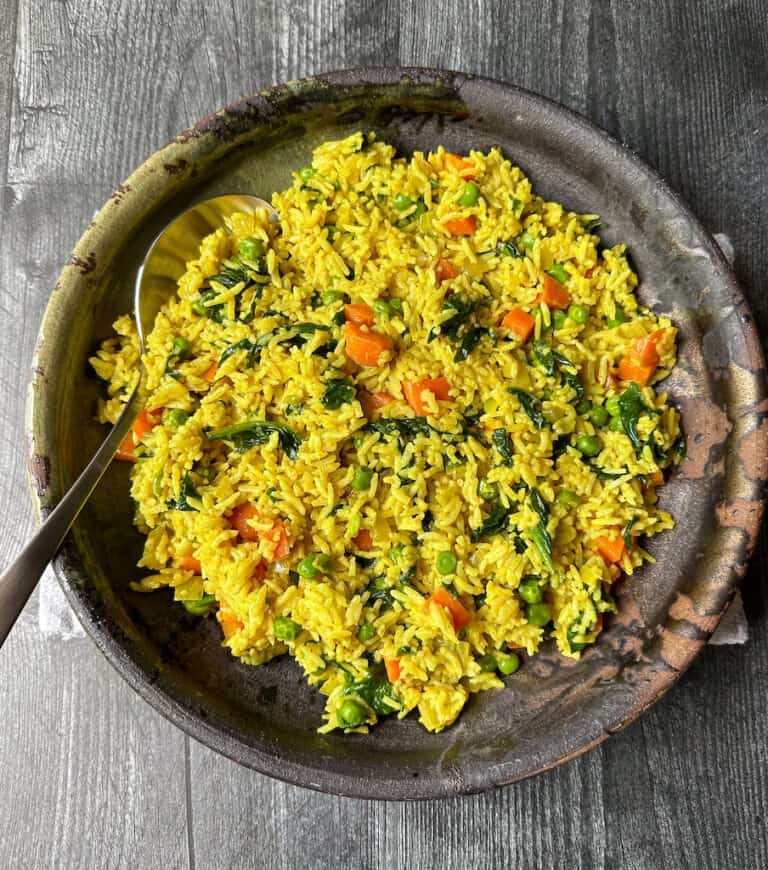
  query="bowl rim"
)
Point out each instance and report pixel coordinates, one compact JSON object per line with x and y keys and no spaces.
{"x":217,"y":738}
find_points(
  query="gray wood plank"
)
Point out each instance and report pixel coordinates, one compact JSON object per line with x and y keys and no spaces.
{"x":99,"y":778}
{"x":92,"y":777}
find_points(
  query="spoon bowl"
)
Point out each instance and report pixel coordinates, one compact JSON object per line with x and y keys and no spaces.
{"x":156,"y":282}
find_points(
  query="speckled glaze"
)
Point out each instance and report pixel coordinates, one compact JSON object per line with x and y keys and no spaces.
{"x":553,"y":709}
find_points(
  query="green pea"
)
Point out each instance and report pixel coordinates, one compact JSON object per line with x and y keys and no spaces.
{"x":331,"y":296}
{"x":396,"y":304}
{"x":200,"y":606}
{"x":618,"y":318}
{"x":362,"y":479}
{"x":401,"y":202}
{"x":367,"y":631}
{"x":350,"y":714}
{"x":176,"y":417}
{"x":612,"y":406}
{"x":578,"y":314}
{"x":526,"y":241}
{"x":447,"y":563}
{"x":251,"y":249}
{"x":488,"y":663}
{"x":599,"y":415}
{"x":558,"y":319}
{"x":286,"y":629}
{"x":487,"y":490}
{"x":589,"y":445}
{"x":535,"y":312}
{"x":306,"y":172}
{"x":616,"y":425}
{"x":530,"y":590}
{"x":559,"y":273}
{"x":382,"y":308}
{"x":583,"y":407}
{"x":538,"y":614}
{"x":567,"y":498}
{"x":307,"y":568}
{"x":508,"y":663}
{"x":181,"y":348}
{"x":469,"y":195}
{"x":324,"y":563}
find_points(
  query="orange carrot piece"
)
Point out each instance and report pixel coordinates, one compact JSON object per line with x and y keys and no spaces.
{"x":238,"y":519}
{"x":229,"y":623}
{"x":363,"y":540}
{"x":459,"y":614}
{"x":365,"y":348}
{"x":412,"y":390}
{"x":279,"y":537}
{"x":143,"y":424}
{"x":611,"y":548}
{"x":127,"y":449}
{"x":553,"y":293}
{"x":464,"y":226}
{"x":210,"y":373}
{"x":393,"y":669}
{"x":462,"y":165}
{"x":360,"y":314}
{"x":629,"y":370}
{"x":371,"y":402}
{"x":519,"y":322}
{"x":445,"y":271}
{"x":657,"y":478}
{"x":189,"y":563}
{"x":644,"y":351}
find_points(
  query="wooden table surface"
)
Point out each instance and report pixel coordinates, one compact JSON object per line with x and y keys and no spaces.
{"x":91,"y":776}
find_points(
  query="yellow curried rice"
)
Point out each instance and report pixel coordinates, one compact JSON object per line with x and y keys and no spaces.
{"x":400,"y":557}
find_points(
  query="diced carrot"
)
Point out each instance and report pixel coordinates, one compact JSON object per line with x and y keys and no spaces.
{"x":360,"y":314}
{"x":229,"y":623}
{"x":631,"y":371}
{"x":279,"y":537}
{"x":393,"y":669}
{"x":210,"y":373}
{"x":554,"y":294}
{"x":511,"y":645}
{"x":373,"y":401}
{"x":459,"y":614}
{"x":189,"y":563}
{"x":644,"y":351}
{"x":445,"y":270}
{"x":143,"y":424}
{"x":611,"y":548}
{"x":365,"y":348}
{"x":238,"y":519}
{"x":464,"y":226}
{"x":519,"y":322}
{"x":412,"y":390}
{"x":363,"y":540}
{"x":657,"y":478}
{"x":462,"y":165}
{"x":127,"y":449}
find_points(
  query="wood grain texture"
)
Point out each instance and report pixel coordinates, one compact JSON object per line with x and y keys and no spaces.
{"x":88,"y":88}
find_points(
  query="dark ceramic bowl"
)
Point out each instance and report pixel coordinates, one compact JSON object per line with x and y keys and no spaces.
{"x":553,"y":709}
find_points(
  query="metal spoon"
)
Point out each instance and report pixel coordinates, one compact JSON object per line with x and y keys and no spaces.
{"x":156,"y":282}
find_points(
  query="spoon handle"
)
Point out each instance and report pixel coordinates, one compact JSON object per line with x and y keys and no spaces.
{"x":20,"y":578}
